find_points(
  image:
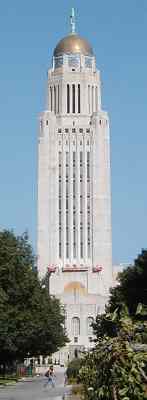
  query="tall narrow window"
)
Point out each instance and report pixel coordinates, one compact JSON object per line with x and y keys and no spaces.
{"x":96,"y":99}
{"x":58,"y":99}
{"x":55,"y":99}
{"x":75,"y":326}
{"x":88,"y":206}
{"x":73,"y":99}
{"x":92,"y":99}
{"x":68,"y":99}
{"x":74,"y":204}
{"x":60,"y":204}
{"x":79,"y":99}
{"x":67,"y":204}
{"x":51,"y":97}
{"x":81,"y":205}
{"x":89,"y":99}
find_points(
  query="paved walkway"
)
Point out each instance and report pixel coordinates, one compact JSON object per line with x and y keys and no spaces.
{"x":34,"y":389}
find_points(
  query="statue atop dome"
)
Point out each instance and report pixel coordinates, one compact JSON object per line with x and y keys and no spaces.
{"x":73,"y":43}
{"x":73,"y":21}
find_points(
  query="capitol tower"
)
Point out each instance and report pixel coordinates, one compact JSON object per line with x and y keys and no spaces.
{"x":74,"y":191}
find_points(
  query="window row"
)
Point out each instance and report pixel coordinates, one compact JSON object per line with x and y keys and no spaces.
{"x":73,"y":99}
{"x":74,"y":61}
{"x":78,"y":209}
{"x":74,"y":130}
{"x":67,"y":204}
{"x":74,"y":143}
{"x":76,"y":328}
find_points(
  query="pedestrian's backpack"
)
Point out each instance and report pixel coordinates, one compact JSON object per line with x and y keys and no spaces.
{"x":47,"y":374}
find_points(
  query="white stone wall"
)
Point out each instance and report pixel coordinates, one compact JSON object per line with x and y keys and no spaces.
{"x":47,"y":193}
{"x":93,"y":292}
{"x":102,"y":242}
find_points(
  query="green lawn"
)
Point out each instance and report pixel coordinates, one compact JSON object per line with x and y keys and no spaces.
{"x":8,"y":381}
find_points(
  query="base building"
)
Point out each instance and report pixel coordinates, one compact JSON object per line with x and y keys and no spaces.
{"x":74,"y":198}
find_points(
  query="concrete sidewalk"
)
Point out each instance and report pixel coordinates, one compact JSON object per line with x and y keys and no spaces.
{"x":33,"y":389}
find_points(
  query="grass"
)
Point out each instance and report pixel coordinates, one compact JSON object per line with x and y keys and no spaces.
{"x":8,"y":380}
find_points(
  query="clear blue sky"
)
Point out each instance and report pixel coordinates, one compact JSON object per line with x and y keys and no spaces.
{"x":29,"y":31}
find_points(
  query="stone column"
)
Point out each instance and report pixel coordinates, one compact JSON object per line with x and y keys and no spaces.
{"x":84,"y":98}
{"x":99,"y":96}
{"x":53,"y":99}
{"x":94,"y":103}
{"x":64,"y":97}
{"x":102,"y":201}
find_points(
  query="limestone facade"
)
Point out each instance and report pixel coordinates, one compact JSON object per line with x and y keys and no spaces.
{"x":74,"y":196}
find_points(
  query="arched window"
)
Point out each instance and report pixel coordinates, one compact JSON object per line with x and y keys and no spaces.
{"x":75,"y":326}
{"x":89,"y":325}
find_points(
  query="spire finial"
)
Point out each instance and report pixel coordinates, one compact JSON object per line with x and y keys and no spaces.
{"x":73,"y":21}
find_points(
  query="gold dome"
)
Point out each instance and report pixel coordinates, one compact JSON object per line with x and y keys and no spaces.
{"x":73,"y":44}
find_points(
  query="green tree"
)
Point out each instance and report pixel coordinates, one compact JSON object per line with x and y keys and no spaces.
{"x":116,"y":368}
{"x":104,"y":325}
{"x":132,"y":286}
{"x":31,"y":322}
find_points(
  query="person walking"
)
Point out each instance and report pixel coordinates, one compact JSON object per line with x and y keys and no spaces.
{"x":50,"y":375}
{"x":65,"y":378}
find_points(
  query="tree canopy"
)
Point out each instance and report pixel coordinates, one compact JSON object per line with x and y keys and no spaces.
{"x":31,"y":322}
{"x":116,"y":368}
{"x":132,"y":286}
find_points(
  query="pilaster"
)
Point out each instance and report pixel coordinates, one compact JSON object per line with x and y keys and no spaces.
{"x":71,"y":199}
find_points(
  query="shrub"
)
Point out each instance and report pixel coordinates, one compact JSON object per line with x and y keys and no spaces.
{"x":73,"y":369}
{"x":116,"y":368}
